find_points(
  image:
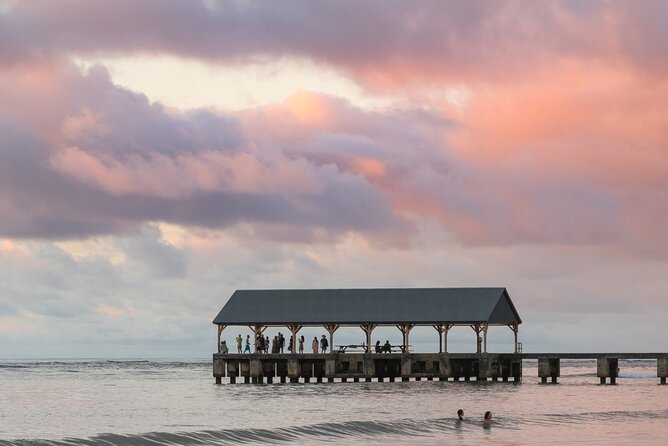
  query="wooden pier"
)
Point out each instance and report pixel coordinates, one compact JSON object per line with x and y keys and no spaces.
{"x":444,"y":309}
{"x":366,"y":367}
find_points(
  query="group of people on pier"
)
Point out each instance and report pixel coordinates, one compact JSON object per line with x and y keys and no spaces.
{"x":277,"y":345}
{"x":385,"y":348}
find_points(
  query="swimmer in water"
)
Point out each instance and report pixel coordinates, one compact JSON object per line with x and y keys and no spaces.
{"x":487,"y":421}
{"x":460,"y":414}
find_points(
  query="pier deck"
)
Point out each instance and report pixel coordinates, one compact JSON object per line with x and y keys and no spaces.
{"x":366,"y":367}
{"x":331,"y":367}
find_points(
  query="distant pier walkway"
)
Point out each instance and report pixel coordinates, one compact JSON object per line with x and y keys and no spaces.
{"x":607,"y":364}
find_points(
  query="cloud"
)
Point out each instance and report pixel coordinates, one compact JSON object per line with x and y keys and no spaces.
{"x":104,"y":160}
{"x":387,"y":45}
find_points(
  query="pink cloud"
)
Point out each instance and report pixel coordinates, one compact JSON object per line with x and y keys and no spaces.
{"x":162,"y":176}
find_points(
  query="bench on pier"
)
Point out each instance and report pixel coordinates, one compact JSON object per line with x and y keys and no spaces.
{"x":362,"y":347}
{"x":392,"y":349}
{"x":351,"y":347}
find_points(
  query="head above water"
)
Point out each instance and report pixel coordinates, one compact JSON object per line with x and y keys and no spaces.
{"x":460,"y":413}
{"x":488,"y":415}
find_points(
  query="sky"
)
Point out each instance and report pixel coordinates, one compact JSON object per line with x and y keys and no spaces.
{"x":157,"y":155}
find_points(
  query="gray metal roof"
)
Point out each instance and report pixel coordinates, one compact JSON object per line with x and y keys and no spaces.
{"x":373,"y":305}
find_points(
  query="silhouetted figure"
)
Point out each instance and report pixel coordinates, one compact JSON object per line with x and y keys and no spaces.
{"x":387,"y":347}
{"x":324,"y":344}
{"x":223,"y":348}
{"x":301,"y":344}
{"x":379,"y":349}
{"x":460,"y":414}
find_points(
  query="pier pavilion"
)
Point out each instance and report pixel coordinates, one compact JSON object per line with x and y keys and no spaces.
{"x":405,"y":308}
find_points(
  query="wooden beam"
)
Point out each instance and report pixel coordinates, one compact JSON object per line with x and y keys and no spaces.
{"x":368,"y":328}
{"x":484,"y":331}
{"x":515,"y":328}
{"x":476,"y":328}
{"x":257,"y":331}
{"x":439,"y":329}
{"x":221,"y":327}
{"x":405,"y":331}
{"x":294,"y":329}
{"x":331,"y":328}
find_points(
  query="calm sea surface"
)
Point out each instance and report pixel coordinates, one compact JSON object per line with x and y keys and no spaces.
{"x":171,"y":402}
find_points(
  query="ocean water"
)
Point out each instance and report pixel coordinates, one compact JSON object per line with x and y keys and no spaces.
{"x":177,"y":403}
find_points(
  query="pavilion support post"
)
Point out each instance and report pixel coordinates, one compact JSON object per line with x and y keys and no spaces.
{"x":446,"y":329}
{"x":439,"y":329}
{"x":405,"y":330}
{"x":257,"y":330}
{"x":515,"y":328}
{"x":477,"y":328}
{"x":442,"y":330}
{"x":485,"y":327}
{"x":294,"y":329}
{"x":368,"y":328}
{"x":221,"y":327}
{"x":331,"y":328}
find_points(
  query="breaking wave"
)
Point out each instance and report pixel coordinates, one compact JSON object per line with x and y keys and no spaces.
{"x":328,"y":432}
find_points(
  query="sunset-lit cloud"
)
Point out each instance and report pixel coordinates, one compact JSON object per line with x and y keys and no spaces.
{"x":178,"y":150}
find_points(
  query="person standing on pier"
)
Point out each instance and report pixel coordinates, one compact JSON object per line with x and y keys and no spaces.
{"x":281,"y":341}
{"x":223,"y":348}
{"x":324,"y":344}
{"x":314,"y":345}
{"x":266,"y":344}
{"x":239,"y":341}
{"x":247,"y":348}
{"x":301,"y":344}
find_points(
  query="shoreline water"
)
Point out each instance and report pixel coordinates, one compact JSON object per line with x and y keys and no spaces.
{"x":139,"y":401}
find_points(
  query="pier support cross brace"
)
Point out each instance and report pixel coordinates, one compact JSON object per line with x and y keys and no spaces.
{"x":443,"y":330}
{"x":405,"y":330}
{"x":367,"y":329}
{"x":480,"y":328}
{"x":257,"y":331}
{"x":331,"y":328}
{"x":294,"y":329}
{"x":220,"y":332}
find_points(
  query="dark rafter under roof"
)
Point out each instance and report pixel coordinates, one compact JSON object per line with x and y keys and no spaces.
{"x":382,"y":306}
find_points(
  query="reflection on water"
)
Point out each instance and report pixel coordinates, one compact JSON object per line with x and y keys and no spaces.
{"x":141,"y":402}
